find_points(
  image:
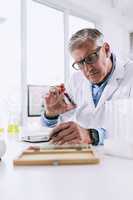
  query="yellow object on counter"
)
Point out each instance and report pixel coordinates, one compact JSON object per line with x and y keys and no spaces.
{"x":1,"y":131}
{"x":13,"y":129}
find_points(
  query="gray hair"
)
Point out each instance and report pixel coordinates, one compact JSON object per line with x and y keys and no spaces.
{"x":88,"y":34}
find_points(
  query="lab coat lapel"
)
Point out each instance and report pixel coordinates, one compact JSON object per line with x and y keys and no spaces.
{"x":89,"y":98}
{"x":111,"y":86}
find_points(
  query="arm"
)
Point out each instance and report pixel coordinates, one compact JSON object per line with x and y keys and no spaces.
{"x":72,"y":133}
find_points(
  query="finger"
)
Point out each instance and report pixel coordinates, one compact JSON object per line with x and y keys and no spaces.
{"x":66,"y":142}
{"x":56,"y":98}
{"x":53,"y":95}
{"x":48,"y":95}
{"x":58,"y":134}
{"x":66,"y":137}
{"x":62,"y":134}
{"x":48,"y":98}
{"x":75,"y":141}
{"x":53,"y":89}
{"x":72,"y":142}
{"x":60,"y":127}
{"x":52,"y":99}
{"x":71,"y":137}
{"x":49,"y":103}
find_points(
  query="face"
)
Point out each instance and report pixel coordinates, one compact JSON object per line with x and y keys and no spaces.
{"x":97,"y":71}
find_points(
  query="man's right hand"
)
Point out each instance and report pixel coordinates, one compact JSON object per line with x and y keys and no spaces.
{"x":55,"y":103}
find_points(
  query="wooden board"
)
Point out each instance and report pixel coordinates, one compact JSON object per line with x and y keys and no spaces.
{"x":59,"y":156}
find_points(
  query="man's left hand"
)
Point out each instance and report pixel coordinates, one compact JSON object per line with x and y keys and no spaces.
{"x":70,"y":133}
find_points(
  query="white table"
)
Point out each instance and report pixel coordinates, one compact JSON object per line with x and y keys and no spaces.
{"x":112,"y":179}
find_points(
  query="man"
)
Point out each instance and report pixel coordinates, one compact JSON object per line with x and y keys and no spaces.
{"x":98,"y":78}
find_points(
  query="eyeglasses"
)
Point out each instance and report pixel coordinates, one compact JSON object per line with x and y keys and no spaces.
{"x":90,"y":59}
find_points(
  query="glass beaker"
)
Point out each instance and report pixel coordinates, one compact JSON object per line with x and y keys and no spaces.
{"x":13,"y":124}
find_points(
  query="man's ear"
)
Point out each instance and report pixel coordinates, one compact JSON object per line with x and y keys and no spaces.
{"x":107,"y":49}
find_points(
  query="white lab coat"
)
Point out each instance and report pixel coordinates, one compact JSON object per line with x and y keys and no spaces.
{"x":120,"y":86}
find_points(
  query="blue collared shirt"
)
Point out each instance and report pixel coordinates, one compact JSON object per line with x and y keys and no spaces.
{"x":97,"y":90}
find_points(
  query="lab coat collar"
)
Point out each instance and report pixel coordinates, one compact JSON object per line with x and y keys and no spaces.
{"x":112,"y":85}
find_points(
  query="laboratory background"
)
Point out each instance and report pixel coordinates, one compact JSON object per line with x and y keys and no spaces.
{"x":34,"y":36}
{"x":29,"y":50}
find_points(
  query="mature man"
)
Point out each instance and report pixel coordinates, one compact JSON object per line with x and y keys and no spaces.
{"x":99,"y":78}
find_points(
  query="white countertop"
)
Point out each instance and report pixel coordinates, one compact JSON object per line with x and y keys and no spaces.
{"x":112,"y":179}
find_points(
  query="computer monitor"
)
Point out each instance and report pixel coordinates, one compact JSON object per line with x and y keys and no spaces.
{"x":35,"y":99}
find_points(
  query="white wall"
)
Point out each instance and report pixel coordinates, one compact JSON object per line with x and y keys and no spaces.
{"x":9,"y":59}
{"x":118,"y":38}
{"x":111,"y":22}
{"x":107,"y":18}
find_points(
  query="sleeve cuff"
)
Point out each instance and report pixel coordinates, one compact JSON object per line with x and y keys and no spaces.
{"x":102,"y":135}
{"x":49,"y":122}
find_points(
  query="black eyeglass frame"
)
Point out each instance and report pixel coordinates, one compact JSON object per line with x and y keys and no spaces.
{"x":85,"y":60}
